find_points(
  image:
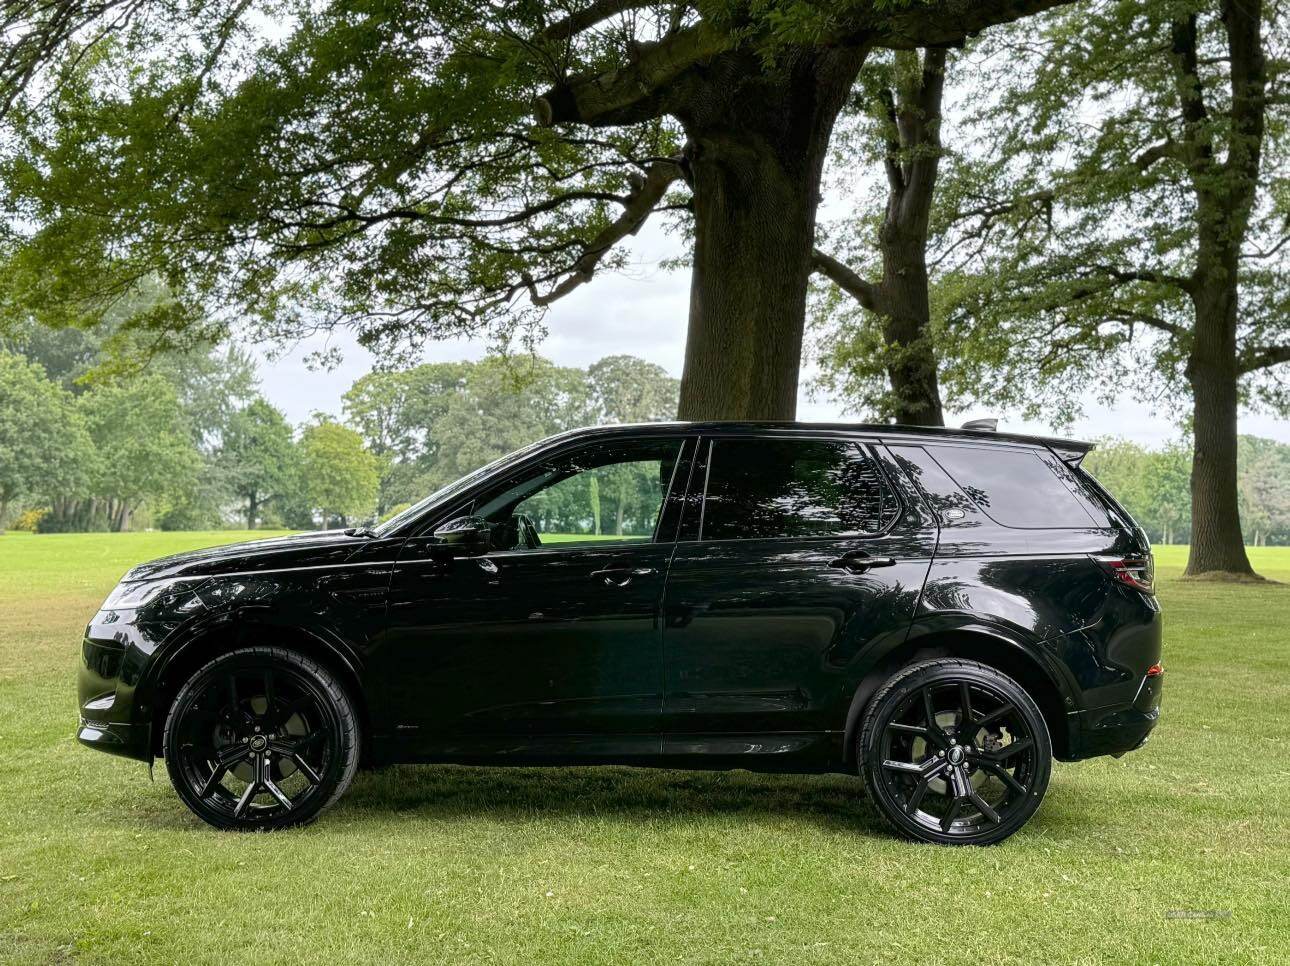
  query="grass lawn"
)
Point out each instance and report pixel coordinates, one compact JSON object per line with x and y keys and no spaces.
{"x":594,"y":865}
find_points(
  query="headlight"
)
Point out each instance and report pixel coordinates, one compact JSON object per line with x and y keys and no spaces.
{"x":134,"y":594}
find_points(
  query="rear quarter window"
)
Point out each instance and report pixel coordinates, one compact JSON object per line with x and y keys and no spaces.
{"x":1020,"y":488}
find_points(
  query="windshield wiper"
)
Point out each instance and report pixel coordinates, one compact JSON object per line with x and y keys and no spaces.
{"x":361,"y":532}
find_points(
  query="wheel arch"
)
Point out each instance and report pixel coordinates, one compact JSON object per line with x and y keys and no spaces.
{"x":977,"y":643}
{"x":200,"y":645}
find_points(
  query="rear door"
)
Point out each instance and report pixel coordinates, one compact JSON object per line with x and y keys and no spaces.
{"x":800,"y":555}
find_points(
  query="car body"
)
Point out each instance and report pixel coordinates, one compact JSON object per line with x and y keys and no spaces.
{"x":767,"y":582}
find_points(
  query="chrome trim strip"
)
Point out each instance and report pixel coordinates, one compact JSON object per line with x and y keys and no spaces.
{"x":289,"y":570}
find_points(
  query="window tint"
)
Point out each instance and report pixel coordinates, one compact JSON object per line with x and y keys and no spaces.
{"x":602,"y":493}
{"x":1015,"y":487}
{"x":761,"y":488}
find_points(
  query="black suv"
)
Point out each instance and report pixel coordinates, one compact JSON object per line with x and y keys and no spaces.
{"x":944,"y":611}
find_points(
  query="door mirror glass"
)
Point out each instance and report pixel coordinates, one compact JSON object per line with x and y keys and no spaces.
{"x":465,"y":536}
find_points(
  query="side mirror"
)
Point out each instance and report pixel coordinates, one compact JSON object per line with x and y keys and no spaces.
{"x":466,"y":536}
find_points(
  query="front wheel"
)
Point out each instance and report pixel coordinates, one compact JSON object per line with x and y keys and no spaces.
{"x":261,"y":738}
{"x":954,"y":752}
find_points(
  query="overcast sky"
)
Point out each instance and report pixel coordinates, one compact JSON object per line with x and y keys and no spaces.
{"x":643,"y":313}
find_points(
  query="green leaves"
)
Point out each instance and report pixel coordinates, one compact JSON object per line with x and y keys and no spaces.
{"x":372,"y":164}
{"x":338,"y":475}
{"x":44,"y":446}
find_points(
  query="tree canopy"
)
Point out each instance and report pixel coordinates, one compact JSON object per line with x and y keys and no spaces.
{"x":338,"y":476}
{"x":44,"y":447}
{"x":437,"y":168}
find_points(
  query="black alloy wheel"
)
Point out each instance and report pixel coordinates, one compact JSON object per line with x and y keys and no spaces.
{"x":955,"y":752}
{"x":261,"y":738}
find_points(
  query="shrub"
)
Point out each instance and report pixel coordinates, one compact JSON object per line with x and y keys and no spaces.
{"x":29,"y":520}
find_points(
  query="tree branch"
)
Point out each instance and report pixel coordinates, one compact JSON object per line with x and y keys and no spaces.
{"x":1144,"y":275}
{"x":640,"y":204}
{"x":891,"y":157}
{"x":588,"y":17}
{"x":1197,"y":146}
{"x":1157,"y":152}
{"x":866,"y":293}
{"x":1255,"y":359}
{"x":925,"y":147}
{"x":630,"y":93}
{"x":1243,"y":22}
{"x":633,"y":92}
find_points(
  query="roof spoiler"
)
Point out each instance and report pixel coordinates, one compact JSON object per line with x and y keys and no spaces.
{"x":1069,"y":451}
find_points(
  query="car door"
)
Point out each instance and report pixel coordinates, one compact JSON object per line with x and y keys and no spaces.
{"x":802,"y":555}
{"x":552,"y":649}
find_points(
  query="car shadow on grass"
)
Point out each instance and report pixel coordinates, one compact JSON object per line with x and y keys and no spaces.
{"x":521,"y":795}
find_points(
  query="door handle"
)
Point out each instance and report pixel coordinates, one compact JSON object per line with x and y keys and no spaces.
{"x":622,"y":576}
{"x":858,"y":561}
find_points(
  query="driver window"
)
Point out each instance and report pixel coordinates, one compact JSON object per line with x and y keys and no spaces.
{"x":602,"y":494}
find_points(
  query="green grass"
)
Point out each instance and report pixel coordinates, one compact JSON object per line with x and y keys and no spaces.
{"x":431,"y":864}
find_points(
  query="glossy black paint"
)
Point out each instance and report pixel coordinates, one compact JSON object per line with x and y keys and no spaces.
{"x":755,"y":653}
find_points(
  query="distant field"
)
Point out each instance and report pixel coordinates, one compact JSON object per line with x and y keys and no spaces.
{"x":427,"y":864}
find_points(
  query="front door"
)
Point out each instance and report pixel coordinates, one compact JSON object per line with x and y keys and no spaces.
{"x":548,"y":644}
{"x":803,"y":555}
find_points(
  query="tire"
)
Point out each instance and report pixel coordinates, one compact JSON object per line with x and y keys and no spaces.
{"x":261,"y":738}
{"x":935,"y":778}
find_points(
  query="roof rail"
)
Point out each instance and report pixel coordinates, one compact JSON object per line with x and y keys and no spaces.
{"x":986,"y":425}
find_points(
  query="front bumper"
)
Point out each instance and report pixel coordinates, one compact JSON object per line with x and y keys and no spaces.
{"x":126,"y":740}
{"x":109,"y":672}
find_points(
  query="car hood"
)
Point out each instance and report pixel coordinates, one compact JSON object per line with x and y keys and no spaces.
{"x":321,"y":548}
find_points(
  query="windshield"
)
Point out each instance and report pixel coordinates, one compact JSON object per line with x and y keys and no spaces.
{"x":474,"y":476}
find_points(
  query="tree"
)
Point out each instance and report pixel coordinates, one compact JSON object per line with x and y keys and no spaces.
{"x":890,"y":334}
{"x":503,"y":405}
{"x":44,"y":449}
{"x":1147,"y":243}
{"x":338,"y":475}
{"x":1152,"y":484}
{"x":145,"y":446}
{"x":258,"y":457}
{"x":310,"y":188}
{"x":1264,"y":483}
{"x":625,"y":389}
{"x":393,"y":410}
{"x":1167,"y":493}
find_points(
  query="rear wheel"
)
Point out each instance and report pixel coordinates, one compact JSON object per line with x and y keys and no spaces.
{"x":955,"y":752}
{"x":261,"y":738}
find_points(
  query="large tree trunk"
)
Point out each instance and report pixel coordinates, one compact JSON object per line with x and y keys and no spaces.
{"x":1225,"y":194}
{"x":913,"y":163}
{"x":755,"y":156}
{"x":252,"y":510}
{"x":900,"y":300}
{"x":1216,"y":542}
{"x":912,"y":371}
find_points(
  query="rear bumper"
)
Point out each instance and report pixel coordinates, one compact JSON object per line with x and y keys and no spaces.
{"x":1117,"y":730}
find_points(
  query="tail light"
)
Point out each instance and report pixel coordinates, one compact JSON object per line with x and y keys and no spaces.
{"x":1136,"y":572}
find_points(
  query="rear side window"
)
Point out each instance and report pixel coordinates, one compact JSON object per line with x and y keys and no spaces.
{"x":768,"y":488}
{"x":1015,"y":487}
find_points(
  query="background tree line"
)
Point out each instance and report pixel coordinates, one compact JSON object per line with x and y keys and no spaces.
{"x":1153,"y":486}
{"x":1075,"y":197}
{"x":192,"y":444}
